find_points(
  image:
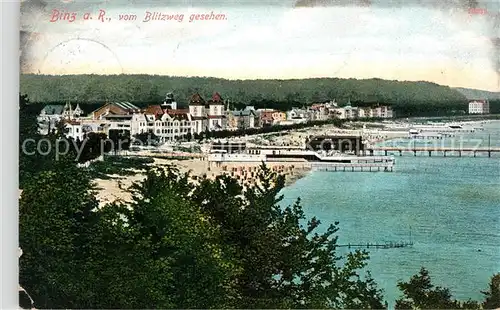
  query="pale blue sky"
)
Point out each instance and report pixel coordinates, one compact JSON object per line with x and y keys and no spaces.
{"x":446,"y":46}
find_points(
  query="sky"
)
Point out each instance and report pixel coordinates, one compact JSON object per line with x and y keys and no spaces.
{"x":414,"y":40}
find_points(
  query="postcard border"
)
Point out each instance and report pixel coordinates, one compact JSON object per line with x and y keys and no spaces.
{"x":9,"y":296}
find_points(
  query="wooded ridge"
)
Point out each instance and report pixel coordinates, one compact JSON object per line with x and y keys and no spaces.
{"x":141,"y":88}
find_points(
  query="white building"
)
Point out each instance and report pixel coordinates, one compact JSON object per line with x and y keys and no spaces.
{"x":167,"y":124}
{"x":365,"y":112}
{"x":243,"y":119}
{"x":319,"y":112}
{"x":198,"y":113}
{"x":75,"y":130}
{"x":216,"y":114}
{"x":207,"y":116}
{"x":173,"y":126}
{"x":165,"y":121}
{"x":350,"y":112}
{"x":295,"y":116}
{"x":72,"y":113}
{"x":382,"y":112}
{"x":479,"y":107}
{"x":49,"y":117}
{"x":169,"y":102}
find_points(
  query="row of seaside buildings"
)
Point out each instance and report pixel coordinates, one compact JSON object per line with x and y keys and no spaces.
{"x":169,"y":122}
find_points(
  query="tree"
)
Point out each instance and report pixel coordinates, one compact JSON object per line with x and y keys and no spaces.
{"x":196,"y":269}
{"x":420,"y":293}
{"x":28,"y":129}
{"x":147,"y":138}
{"x":92,"y":146}
{"x":407,"y":98}
{"x":55,"y":215}
{"x":282,"y":261}
{"x":155,"y":252}
{"x":36,"y":152}
{"x":120,"y":140}
{"x":493,"y":295}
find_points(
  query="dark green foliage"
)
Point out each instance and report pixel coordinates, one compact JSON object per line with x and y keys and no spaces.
{"x":493,"y":294}
{"x":182,"y":241}
{"x":55,"y":226}
{"x":92,"y":146}
{"x":282,"y":261}
{"x":119,"y":140}
{"x":147,"y":139}
{"x":28,"y":129}
{"x":180,"y":245}
{"x":408,"y":98}
{"x":495,"y":106}
{"x":160,"y":255}
{"x":420,"y":293}
{"x":36,"y":152}
{"x":118,"y":165}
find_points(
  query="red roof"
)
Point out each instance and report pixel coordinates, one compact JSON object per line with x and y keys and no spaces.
{"x":153,"y":109}
{"x":177,"y":112}
{"x":317,"y":106}
{"x":216,"y":98}
{"x":196,"y":99}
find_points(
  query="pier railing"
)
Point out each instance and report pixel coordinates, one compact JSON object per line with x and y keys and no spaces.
{"x":433,"y":149}
{"x":387,"y":245}
{"x":373,"y":166}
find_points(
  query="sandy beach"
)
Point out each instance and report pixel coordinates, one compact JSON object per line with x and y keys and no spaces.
{"x":114,"y":189}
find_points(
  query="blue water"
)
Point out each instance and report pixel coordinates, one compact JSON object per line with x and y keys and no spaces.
{"x":451,"y":204}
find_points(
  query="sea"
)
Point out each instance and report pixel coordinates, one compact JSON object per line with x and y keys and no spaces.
{"x":449,"y":207}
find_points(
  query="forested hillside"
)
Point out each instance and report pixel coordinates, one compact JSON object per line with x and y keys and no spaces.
{"x":282,"y":94}
{"x":478,"y":94}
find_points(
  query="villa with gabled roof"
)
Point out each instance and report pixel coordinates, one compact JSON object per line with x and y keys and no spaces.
{"x":115,"y":108}
{"x":207,"y":115}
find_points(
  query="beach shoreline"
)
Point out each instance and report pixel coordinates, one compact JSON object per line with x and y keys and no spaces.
{"x":115,"y":188}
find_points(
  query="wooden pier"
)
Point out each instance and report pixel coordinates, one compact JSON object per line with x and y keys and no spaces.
{"x":430,"y":150}
{"x":387,"y":245}
{"x":386,"y":166}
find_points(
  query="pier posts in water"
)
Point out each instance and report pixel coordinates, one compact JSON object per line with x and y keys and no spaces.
{"x":430,"y":152}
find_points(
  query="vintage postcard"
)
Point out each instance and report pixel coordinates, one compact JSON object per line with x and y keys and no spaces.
{"x":259,"y":154}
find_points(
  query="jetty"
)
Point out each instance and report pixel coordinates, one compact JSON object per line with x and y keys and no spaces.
{"x":443,"y":150}
{"x":317,"y":160}
{"x":387,"y":245}
{"x":360,"y":164}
